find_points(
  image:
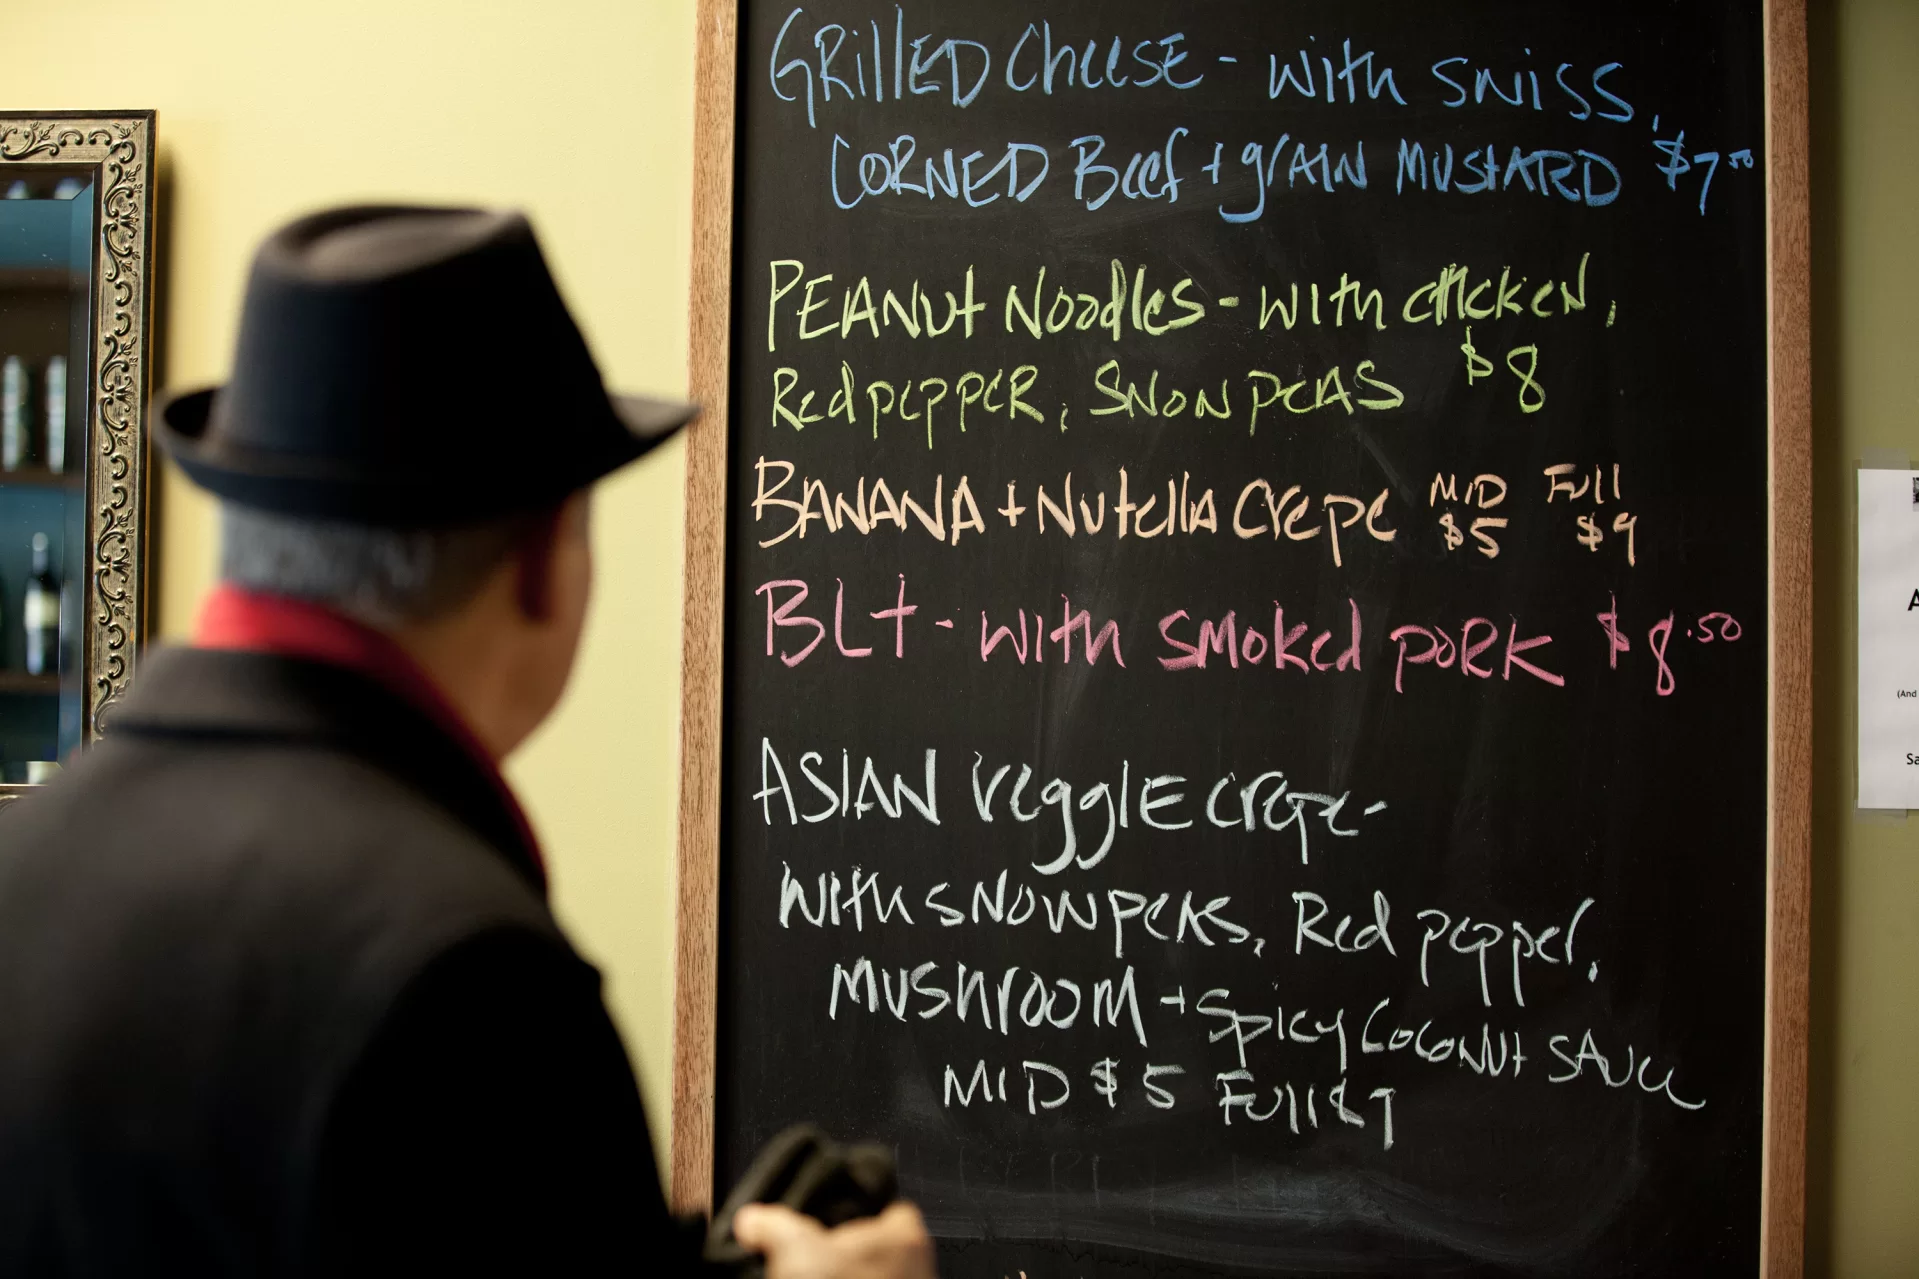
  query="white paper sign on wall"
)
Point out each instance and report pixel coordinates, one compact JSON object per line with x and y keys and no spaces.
{"x":1888,"y":639}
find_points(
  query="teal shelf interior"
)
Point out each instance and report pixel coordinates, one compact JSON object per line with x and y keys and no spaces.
{"x":46,"y":259}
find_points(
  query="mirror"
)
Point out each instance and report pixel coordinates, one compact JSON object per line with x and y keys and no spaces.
{"x":76,"y":202}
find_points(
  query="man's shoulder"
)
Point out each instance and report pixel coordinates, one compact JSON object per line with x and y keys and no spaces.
{"x":277,"y":845}
{"x":202,"y":932}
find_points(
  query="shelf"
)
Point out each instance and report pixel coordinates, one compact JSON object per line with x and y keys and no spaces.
{"x":40,"y":477}
{"x":40,"y":279}
{"x":35,"y":685}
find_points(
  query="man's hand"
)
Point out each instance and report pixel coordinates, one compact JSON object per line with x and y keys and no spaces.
{"x":893,"y":1245}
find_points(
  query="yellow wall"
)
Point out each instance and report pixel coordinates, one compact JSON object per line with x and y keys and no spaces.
{"x":576,"y":110}
{"x":1864,"y":1141}
{"x":580,"y":110}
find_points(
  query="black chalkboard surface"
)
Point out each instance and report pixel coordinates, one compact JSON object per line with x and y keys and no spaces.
{"x":1245,"y":704}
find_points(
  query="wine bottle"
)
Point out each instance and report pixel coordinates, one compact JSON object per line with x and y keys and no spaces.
{"x":40,"y":613}
{"x":69,"y":659}
{"x":13,"y":413}
{"x":56,"y":405}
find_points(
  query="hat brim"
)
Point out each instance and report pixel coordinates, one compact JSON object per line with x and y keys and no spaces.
{"x":306,"y":486}
{"x":652,"y":421}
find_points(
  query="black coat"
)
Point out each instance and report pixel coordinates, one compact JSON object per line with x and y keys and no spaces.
{"x":280,"y":994}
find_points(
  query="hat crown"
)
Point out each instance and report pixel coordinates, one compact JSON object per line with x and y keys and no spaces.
{"x":369,"y":335}
{"x":369,"y":244}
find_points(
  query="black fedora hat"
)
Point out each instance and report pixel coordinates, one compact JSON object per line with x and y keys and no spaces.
{"x":409,"y":367}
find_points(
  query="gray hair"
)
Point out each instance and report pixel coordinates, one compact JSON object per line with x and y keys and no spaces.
{"x":383,"y":576}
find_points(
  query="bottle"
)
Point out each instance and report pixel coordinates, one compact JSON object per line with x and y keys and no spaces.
{"x":56,"y":405}
{"x":69,"y":658}
{"x":40,"y":613}
{"x":13,"y":413}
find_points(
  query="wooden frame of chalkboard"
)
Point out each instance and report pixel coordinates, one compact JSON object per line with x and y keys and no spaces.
{"x":1788,"y":545}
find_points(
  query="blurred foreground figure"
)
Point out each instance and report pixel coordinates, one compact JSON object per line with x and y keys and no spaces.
{"x":280,"y":993}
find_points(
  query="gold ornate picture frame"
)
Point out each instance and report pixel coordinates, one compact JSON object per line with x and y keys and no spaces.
{"x":107,"y":159}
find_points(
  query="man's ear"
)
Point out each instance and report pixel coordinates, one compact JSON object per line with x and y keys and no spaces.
{"x":534,"y":567}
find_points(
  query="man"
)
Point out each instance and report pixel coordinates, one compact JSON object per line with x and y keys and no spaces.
{"x":280,"y":993}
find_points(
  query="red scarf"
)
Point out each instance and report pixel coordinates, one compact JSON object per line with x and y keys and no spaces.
{"x":248,"y":621}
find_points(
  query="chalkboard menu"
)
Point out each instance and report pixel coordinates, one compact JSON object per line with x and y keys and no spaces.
{"x":1245,"y":653}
